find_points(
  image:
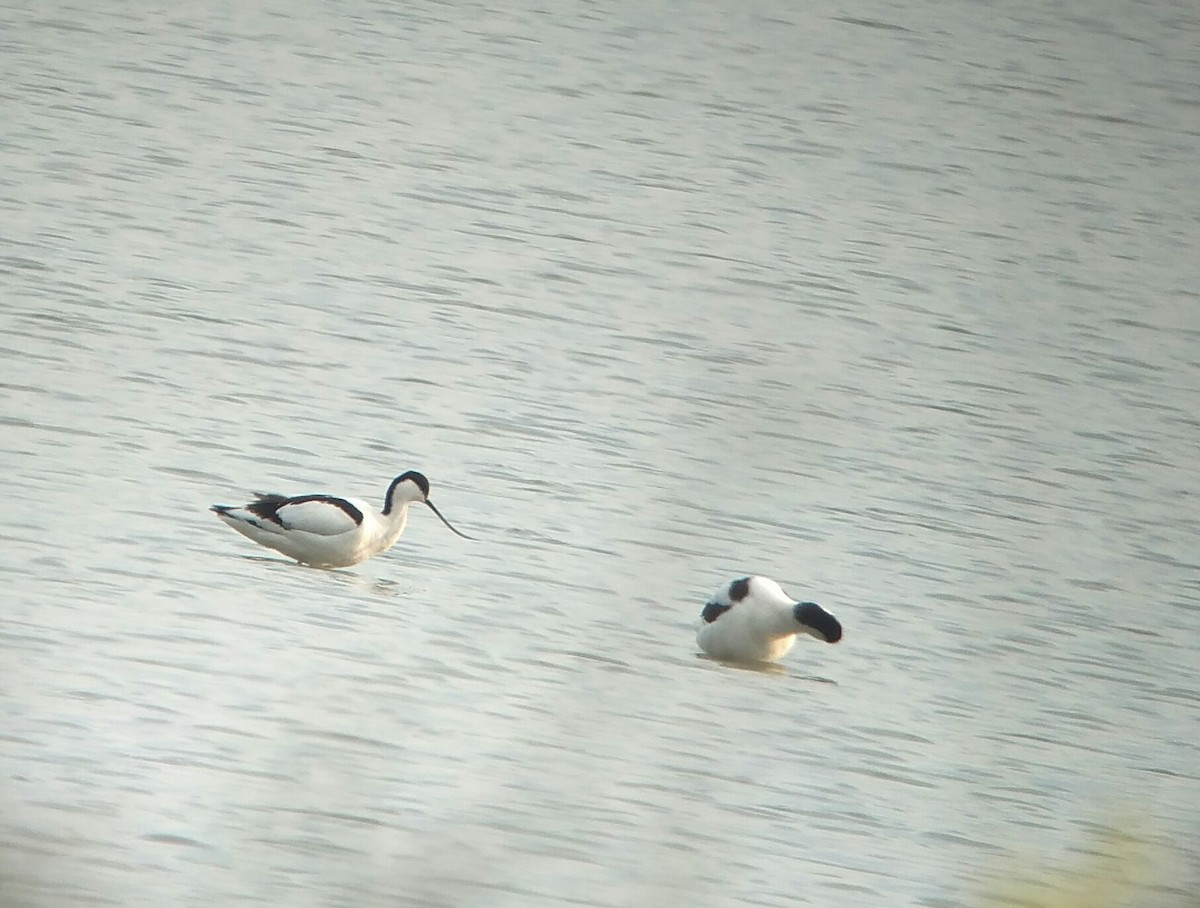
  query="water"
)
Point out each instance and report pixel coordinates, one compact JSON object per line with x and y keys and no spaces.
{"x":896,"y":305}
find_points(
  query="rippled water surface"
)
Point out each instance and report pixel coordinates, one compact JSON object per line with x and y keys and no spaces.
{"x":895,"y":304}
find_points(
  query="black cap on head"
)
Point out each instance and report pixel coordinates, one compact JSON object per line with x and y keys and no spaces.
{"x":813,"y":616}
{"x":418,"y":478}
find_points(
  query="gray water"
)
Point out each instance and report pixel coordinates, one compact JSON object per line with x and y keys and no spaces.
{"x":896,"y":304}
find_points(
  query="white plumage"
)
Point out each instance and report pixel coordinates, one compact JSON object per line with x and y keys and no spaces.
{"x":754,"y":620}
{"x":327,"y":531}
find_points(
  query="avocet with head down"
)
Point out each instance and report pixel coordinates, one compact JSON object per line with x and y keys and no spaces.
{"x":754,"y":620}
{"x":329,"y":532}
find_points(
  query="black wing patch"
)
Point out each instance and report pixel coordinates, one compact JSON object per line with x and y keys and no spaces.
{"x":739,"y":589}
{"x":267,"y":507}
{"x":713,"y":611}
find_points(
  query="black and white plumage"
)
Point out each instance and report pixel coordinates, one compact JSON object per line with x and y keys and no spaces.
{"x":753,"y":620}
{"x":326,"y":531}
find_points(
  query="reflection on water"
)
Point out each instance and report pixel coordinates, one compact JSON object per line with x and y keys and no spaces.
{"x":653,"y":302}
{"x":766,"y":668}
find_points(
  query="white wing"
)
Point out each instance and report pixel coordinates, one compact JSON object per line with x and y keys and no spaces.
{"x":321,"y":516}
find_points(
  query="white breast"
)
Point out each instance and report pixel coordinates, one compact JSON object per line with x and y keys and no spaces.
{"x":740,"y":635}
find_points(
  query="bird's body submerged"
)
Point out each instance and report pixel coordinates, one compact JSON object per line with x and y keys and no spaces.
{"x":754,"y":620}
{"x":326,"y":531}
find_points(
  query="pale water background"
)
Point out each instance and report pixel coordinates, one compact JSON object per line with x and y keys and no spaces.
{"x":896,"y":303}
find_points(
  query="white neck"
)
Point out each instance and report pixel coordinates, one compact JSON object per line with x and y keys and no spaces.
{"x":779,"y":621}
{"x":392,"y":523}
{"x":773,"y":610}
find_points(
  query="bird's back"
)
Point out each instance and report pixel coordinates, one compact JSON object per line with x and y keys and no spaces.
{"x":750,"y":631}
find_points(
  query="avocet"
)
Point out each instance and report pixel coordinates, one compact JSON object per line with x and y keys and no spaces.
{"x":754,"y":620}
{"x":326,"y":531}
